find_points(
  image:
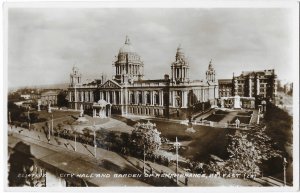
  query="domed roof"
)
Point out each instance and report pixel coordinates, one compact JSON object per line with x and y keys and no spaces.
{"x":127,"y":48}
{"x":102,"y":103}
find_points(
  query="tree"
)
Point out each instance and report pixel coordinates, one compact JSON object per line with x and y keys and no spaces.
{"x":247,"y":151}
{"x":61,"y":99}
{"x":145,"y":135}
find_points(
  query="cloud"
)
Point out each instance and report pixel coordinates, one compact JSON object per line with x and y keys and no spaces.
{"x":44,"y":43}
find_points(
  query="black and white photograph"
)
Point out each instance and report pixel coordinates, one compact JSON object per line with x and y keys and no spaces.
{"x":150,"y":96}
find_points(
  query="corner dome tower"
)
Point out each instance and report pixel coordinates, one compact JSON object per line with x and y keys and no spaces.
{"x":180,"y":68}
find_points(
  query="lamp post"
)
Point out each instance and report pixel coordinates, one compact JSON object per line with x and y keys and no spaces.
{"x":284,"y":171}
{"x":28,"y":120}
{"x":49,"y":133}
{"x":9,"y":118}
{"x":52,"y":123}
{"x":144,"y":161}
{"x":75,"y":142}
{"x":176,"y":144}
{"x":95,"y":144}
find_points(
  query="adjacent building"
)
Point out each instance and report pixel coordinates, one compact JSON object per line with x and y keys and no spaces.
{"x":248,"y":85}
{"x":225,"y":87}
{"x":49,"y":97}
{"x":256,"y":83}
{"x":129,"y":93}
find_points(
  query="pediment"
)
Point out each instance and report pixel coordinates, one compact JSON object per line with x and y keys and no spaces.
{"x":110,"y":84}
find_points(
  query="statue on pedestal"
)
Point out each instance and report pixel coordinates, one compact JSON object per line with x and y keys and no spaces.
{"x":81,"y":111}
{"x":237,"y":102}
{"x":49,"y":107}
{"x":237,"y":123}
{"x":39,"y":105}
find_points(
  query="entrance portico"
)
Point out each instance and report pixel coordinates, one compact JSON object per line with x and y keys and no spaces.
{"x":102,"y":109}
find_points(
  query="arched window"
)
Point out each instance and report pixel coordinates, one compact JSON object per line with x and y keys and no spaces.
{"x":132,"y":98}
{"x":140,"y":98}
{"x":148,"y":97}
{"x":156,"y":98}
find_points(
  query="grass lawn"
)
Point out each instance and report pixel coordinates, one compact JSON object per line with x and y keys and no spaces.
{"x":203,"y":142}
{"x":243,"y":119}
{"x":215,"y":118}
{"x":220,"y":112}
{"x":245,"y":113}
{"x":56,"y":114}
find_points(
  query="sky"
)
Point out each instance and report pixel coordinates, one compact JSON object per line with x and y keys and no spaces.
{"x":45,"y":43}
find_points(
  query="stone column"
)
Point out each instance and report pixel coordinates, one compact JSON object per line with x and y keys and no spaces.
{"x":91,"y":96}
{"x":257,"y":86}
{"x":184,"y":98}
{"x":222,"y":102}
{"x":70,"y":96}
{"x":107,"y":97}
{"x":121,"y":97}
{"x":126,"y":100}
{"x":250,"y":87}
{"x":152,"y":97}
{"x":114,"y":97}
{"x":174,"y":98}
{"x":100,"y":112}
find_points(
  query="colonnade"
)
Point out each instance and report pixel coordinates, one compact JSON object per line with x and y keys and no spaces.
{"x":81,"y":96}
{"x":133,"y":69}
{"x":181,"y":73}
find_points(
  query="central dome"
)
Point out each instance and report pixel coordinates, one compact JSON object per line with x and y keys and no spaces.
{"x":127,"y":48}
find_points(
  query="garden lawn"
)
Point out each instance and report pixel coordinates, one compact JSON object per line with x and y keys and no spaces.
{"x":56,"y":114}
{"x":243,"y":119}
{"x":215,"y":118}
{"x":202,"y":143}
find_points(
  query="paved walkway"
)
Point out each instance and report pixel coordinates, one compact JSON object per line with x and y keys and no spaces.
{"x":61,"y":153}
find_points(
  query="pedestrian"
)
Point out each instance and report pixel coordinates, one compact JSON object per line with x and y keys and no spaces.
{"x":186,"y":181}
{"x":161,"y":173}
{"x":151,"y":170}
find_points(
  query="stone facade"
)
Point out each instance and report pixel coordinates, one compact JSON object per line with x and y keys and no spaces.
{"x":250,"y":85}
{"x":49,"y":97}
{"x":129,"y":93}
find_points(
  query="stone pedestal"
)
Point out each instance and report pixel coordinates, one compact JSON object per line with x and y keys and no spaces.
{"x":237,"y":102}
{"x":81,"y":111}
{"x":49,"y":108}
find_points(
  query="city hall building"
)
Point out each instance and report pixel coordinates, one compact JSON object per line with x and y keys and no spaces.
{"x":129,"y":93}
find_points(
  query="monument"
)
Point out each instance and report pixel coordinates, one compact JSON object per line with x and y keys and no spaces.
{"x":81,"y":118}
{"x":237,"y":102}
{"x":39,"y":105}
{"x":49,"y":107}
{"x":237,"y":123}
{"x":81,"y":111}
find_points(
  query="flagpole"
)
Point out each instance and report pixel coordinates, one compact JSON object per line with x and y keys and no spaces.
{"x":144,"y":160}
{"x":75,"y":142}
